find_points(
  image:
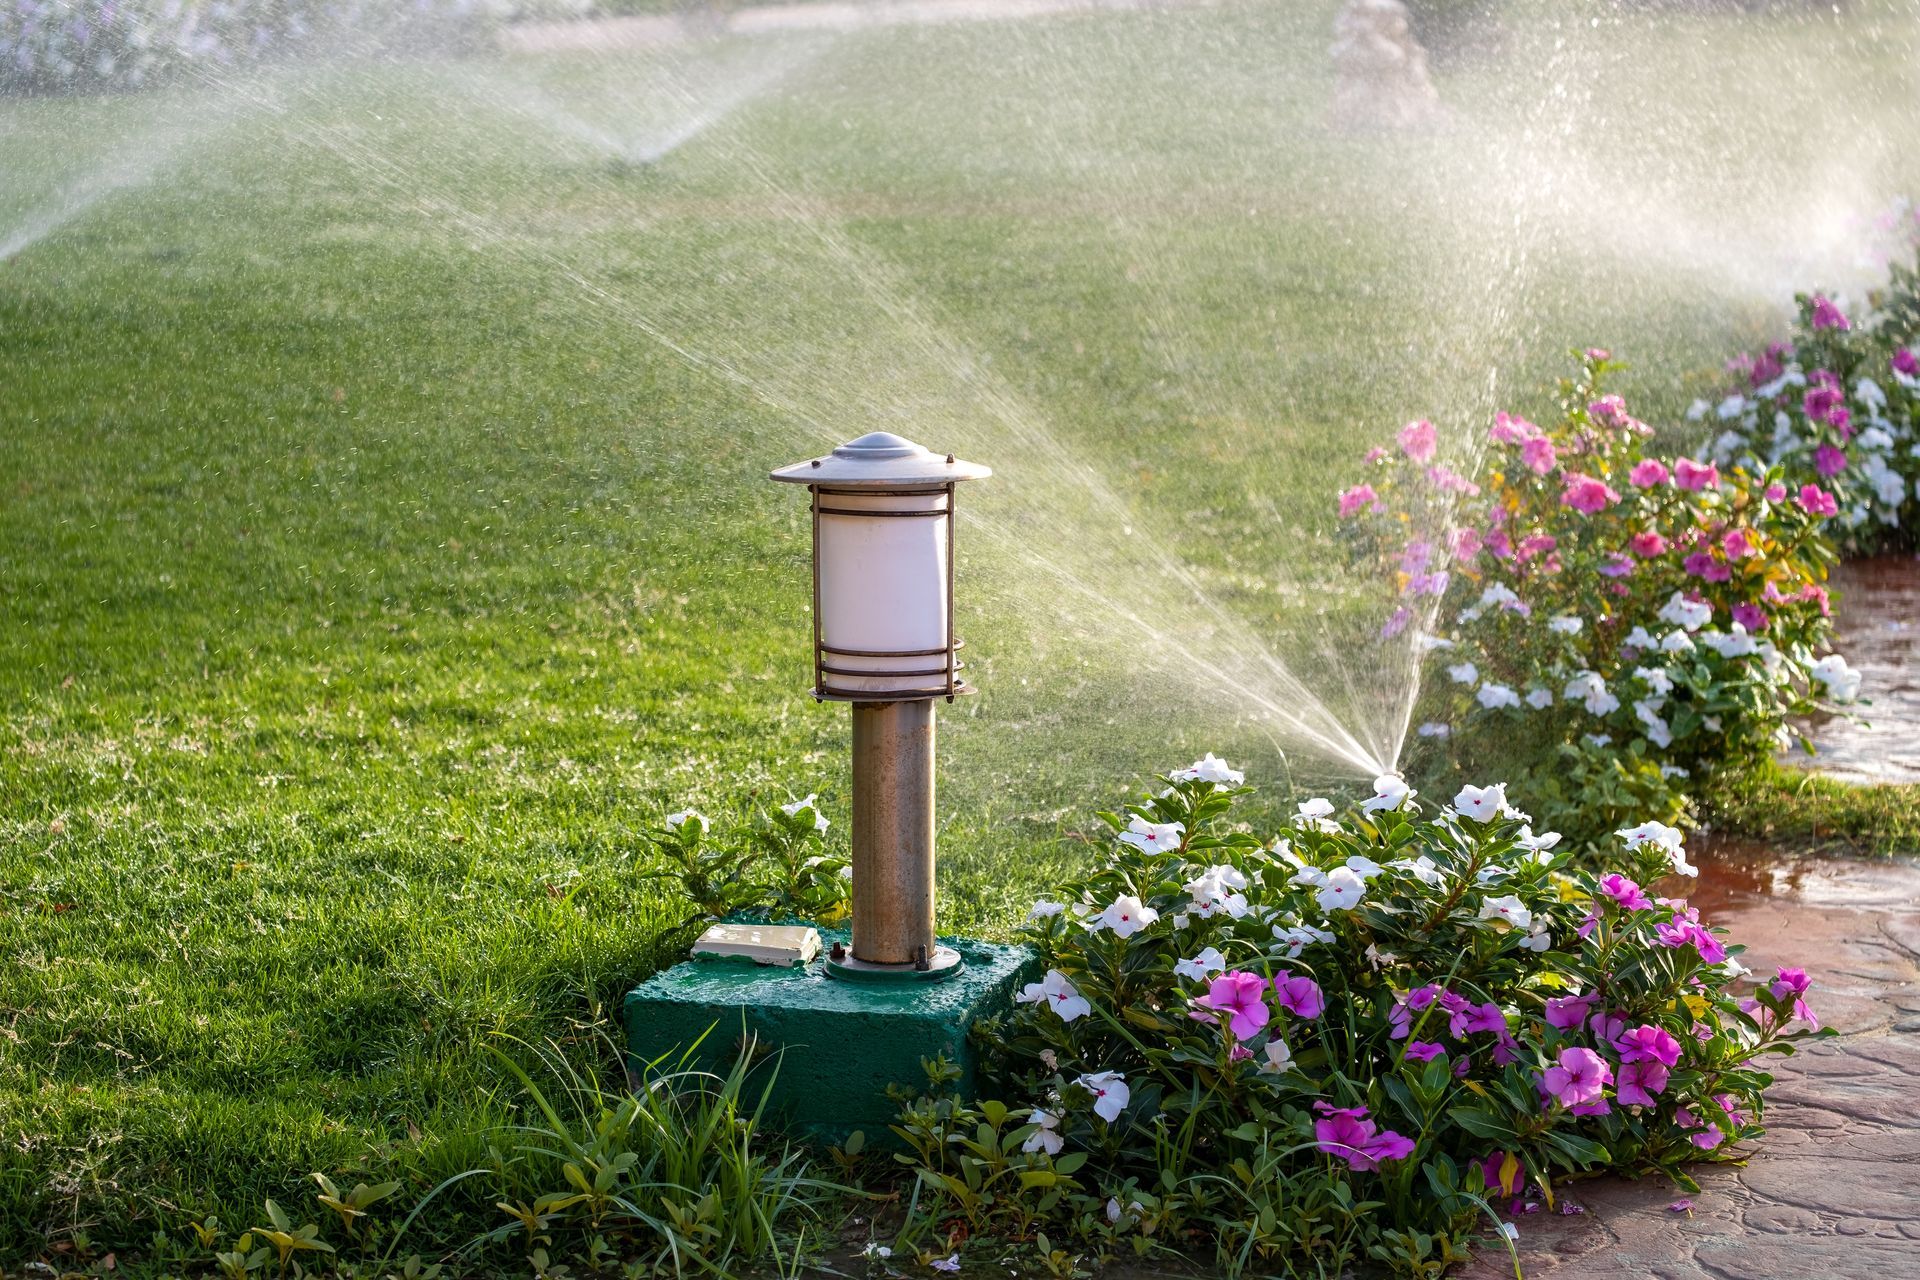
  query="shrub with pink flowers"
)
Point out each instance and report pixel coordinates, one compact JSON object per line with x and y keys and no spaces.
{"x":1353,"y":1042}
{"x":1607,"y":625}
{"x":1835,"y":406}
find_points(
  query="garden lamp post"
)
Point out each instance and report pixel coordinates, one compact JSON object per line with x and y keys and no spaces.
{"x":883,"y":640}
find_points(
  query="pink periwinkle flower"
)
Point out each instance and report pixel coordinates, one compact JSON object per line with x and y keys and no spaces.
{"x":1419,"y":440}
{"x":1599,"y":354}
{"x":1578,"y":1076}
{"x":1823,"y":399}
{"x":1416,"y":555}
{"x":1465,"y":543}
{"x":1626,"y":893}
{"x":1609,"y":411}
{"x":1750,"y":616}
{"x":1828,"y":316}
{"x":1499,"y":544}
{"x":1648,"y":1043}
{"x":1648,"y":545}
{"x":1829,"y":460}
{"x":1428,"y":584}
{"x":1348,"y":1133}
{"x":1776,"y":492}
{"x":1695,"y":476}
{"x":1649,"y":472}
{"x":1606,"y":1027}
{"x":1619,"y":565}
{"x":1299,"y":996}
{"x":1587,"y":495}
{"x":1400,"y":1017}
{"x":1566,"y":1013}
{"x":1376,"y":454}
{"x":1236,"y":999}
{"x":1490,"y":1174}
{"x":1424,"y":1050}
{"x":1638,"y":1081}
{"x":1356,"y":500}
{"x":1538,"y":455}
{"x":1730,"y":1105}
{"x":1396,"y":623}
{"x":1472,"y":1018}
{"x":1795,"y":982}
{"x":1738,"y":544}
{"x":1817,"y":501}
{"x":1509,"y":429}
{"x":1447,"y":480}
{"x":1535,"y":544}
{"x":1905,"y":362}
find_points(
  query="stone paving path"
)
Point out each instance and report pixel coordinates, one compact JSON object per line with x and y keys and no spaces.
{"x":1878,"y":625}
{"x":1833,"y":1191}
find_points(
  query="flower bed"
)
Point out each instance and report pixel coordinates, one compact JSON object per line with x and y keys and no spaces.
{"x":1835,"y":406}
{"x":1350,"y":1043}
{"x":1608,"y":626}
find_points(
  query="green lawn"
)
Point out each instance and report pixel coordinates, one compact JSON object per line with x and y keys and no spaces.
{"x":385,"y":539}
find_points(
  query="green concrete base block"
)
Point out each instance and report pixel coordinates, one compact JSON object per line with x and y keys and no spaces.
{"x":843,"y":1042}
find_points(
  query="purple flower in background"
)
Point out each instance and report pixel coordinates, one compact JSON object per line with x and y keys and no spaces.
{"x":1648,"y":1043}
{"x":1905,"y":362}
{"x":1419,"y":441}
{"x":1828,"y":316}
{"x":1424,"y":1050}
{"x":1829,"y":461}
{"x":1578,"y":1076}
{"x":1566,"y":1013}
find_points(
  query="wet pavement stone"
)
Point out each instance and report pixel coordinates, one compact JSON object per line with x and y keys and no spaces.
{"x":1833,"y":1190}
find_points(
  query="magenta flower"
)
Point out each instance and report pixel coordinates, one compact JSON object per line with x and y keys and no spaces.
{"x":1419,"y":440}
{"x":1626,"y":893}
{"x":1299,"y":996}
{"x":1702,"y":565}
{"x":1829,"y":460}
{"x":1579,"y":1076}
{"x":1566,"y":1013}
{"x":1828,"y":316}
{"x":1397,"y":623}
{"x":1424,"y":1050}
{"x":1904,"y":361}
{"x":1535,"y":544}
{"x":1348,"y":1133}
{"x":1490,"y":1174}
{"x":1695,"y":476}
{"x":1776,"y":492}
{"x":1465,"y":543}
{"x":1648,"y":545}
{"x":1606,"y":1027}
{"x":1823,"y":399}
{"x":1587,"y":495}
{"x":1738,"y":544}
{"x":1750,"y":616}
{"x":1609,"y":411}
{"x":1469,"y":1019}
{"x":1538,"y":454}
{"x":1376,"y":454}
{"x":1449,"y":481}
{"x":1236,"y":998}
{"x":1648,"y":472}
{"x":1400,"y":1017}
{"x":1357,"y":499}
{"x":1619,"y":565}
{"x":1795,"y":982}
{"x":1648,"y":1043}
{"x":1817,"y":501}
{"x":1418,"y":552}
{"x":1638,"y":1081}
{"x":1508,"y":429}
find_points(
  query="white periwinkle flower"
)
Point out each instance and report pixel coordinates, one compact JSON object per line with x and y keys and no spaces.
{"x":1663,"y":837}
{"x":1735,"y":643}
{"x":811,"y":805}
{"x":1656,"y":679}
{"x":1110,"y":1093}
{"x":1045,"y":1138}
{"x":1841,"y":680}
{"x":1127,"y":916}
{"x":1536,"y":844}
{"x":1508,"y":908}
{"x":1482,"y":804}
{"x":1202,"y":966}
{"x":1423,"y":869}
{"x":1538,"y":940}
{"x":1278,"y":1057}
{"x":1640,"y":638}
{"x":1296,"y":938}
{"x":1390,"y":792}
{"x":1316,"y":814}
{"x":1539,"y":699}
{"x":1435,"y":729}
{"x":1463,"y":673}
{"x":1677,"y":641}
{"x":1216,"y":892}
{"x":677,"y":820}
{"x":1493,"y":696}
{"x":1591,"y":691}
{"x":1689,"y":615}
{"x":1057,"y":994}
{"x":1153,"y":837}
{"x":1044,"y":908}
{"x":1208,"y":769}
{"x":1565,"y":625}
{"x":1341,"y":890}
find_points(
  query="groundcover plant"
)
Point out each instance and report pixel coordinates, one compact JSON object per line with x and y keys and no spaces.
{"x":1607,"y":626}
{"x":1349,"y":1042}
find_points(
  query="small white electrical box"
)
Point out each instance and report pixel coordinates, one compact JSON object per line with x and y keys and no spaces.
{"x":770,"y":944}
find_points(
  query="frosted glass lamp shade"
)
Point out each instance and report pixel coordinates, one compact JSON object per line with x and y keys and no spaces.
{"x":883,"y":569}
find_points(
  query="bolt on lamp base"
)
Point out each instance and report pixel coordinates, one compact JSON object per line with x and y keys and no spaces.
{"x":944,"y":963}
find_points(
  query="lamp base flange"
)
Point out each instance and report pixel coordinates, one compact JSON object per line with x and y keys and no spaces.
{"x":944,"y":963}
